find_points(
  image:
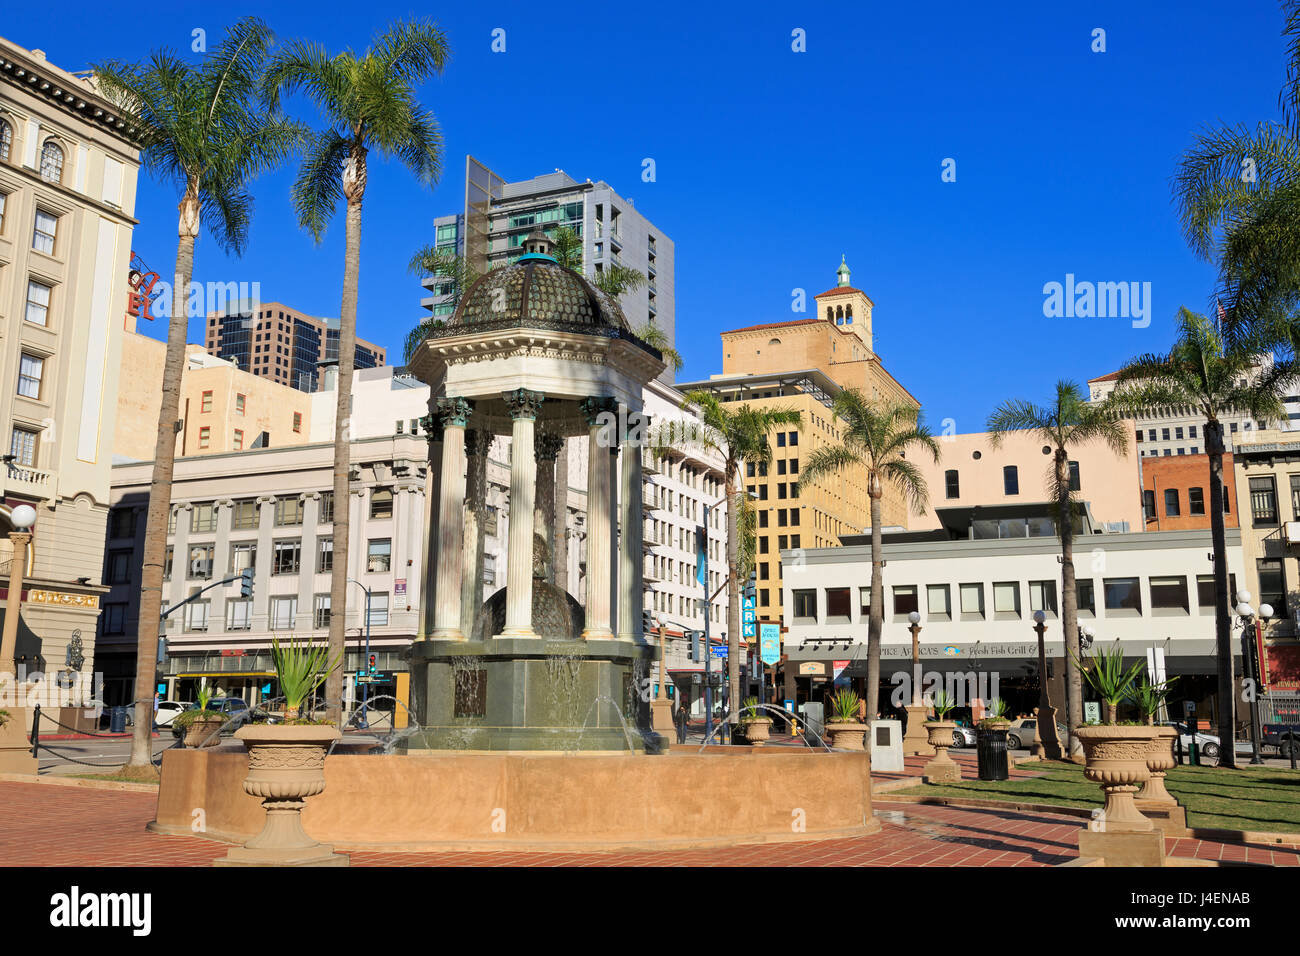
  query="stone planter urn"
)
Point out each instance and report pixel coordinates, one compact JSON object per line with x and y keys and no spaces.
{"x":1116,"y":758}
{"x":942,"y":769}
{"x":286,"y":765}
{"x":757,"y":730}
{"x":1155,"y":802}
{"x":846,"y":734}
{"x":203,"y":732}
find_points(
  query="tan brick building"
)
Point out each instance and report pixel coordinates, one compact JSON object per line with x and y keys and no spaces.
{"x":1176,"y":492}
{"x":223,"y":408}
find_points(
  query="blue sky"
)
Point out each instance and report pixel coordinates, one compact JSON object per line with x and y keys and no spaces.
{"x":771,"y":163}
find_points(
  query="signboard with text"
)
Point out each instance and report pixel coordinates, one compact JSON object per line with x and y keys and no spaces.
{"x":770,"y":643}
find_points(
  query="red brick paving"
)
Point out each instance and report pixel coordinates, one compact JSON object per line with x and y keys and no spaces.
{"x":44,"y":825}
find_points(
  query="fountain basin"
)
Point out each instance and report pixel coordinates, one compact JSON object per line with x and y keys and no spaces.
{"x":540,"y":801}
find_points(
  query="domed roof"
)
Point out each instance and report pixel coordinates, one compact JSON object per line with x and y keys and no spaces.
{"x":535,"y":290}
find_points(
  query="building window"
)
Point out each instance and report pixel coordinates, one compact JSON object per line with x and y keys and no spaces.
{"x":22,"y":446}
{"x":283,"y":612}
{"x":196,"y":615}
{"x":1074,"y":476}
{"x":239,"y":440}
{"x":1171,"y":503}
{"x":287,"y":557}
{"x":320,"y":611}
{"x":1006,"y":598}
{"x":167,"y":563}
{"x":119,"y":567}
{"x":378,"y":610}
{"x":200,"y":567}
{"x":243,"y":555}
{"x":1149,"y":504}
{"x":805,"y":603}
{"x":972,"y":601}
{"x":905,"y":600}
{"x":1042,"y":597}
{"x":205,"y":436}
{"x":203,"y":517}
{"x":1263,"y":501}
{"x":244,"y":515}
{"x":114,"y":618}
{"x":1010,"y":480}
{"x":30,"y":371}
{"x":324,"y":555}
{"x":1295,"y":496}
{"x":1123,"y":594}
{"x":864,"y":602}
{"x":205,"y":402}
{"x":121,"y":523}
{"x":379,"y":555}
{"x":326,"y":508}
{"x":381,"y":503}
{"x":43,"y":233}
{"x":938,"y":602}
{"x":6,"y":140}
{"x":38,"y":303}
{"x":1087,"y":595}
{"x":1272,"y":585}
{"x":1169,"y":594}
{"x":1205,"y":591}
{"x":952,"y":484}
{"x":297,"y":421}
{"x":239,"y":614}
{"x":239,"y":403}
{"x":1195,"y":501}
{"x":288,"y":511}
{"x":52,"y":162}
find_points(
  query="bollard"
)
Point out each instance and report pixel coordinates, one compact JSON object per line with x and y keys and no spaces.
{"x":36,"y":729}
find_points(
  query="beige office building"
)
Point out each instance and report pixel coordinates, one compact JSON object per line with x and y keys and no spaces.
{"x":67,"y":199}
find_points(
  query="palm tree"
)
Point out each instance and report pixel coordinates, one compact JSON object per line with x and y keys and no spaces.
{"x":457,"y":274}
{"x":657,"y":338}
{"x":368,"y":102}
{"x":737,"y":435}
{"x":877,"y":436}
{"x":1204,"y":373}
{"x":198,"y":128}
{"x":1069,"y":421}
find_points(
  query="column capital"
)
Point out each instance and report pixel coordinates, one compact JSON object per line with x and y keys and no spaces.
{"x":595,"y":406}
{"x":455,"y":411}
{"x":547,"y":446}
{"x":524,"y":403}
{"x":431,"y":425}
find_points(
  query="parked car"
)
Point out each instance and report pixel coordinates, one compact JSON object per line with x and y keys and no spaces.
{"x":167,"y":711}
{"x":1208,"y":744}
{"x":1283,"y":737}
{"x":963,"y":736}
{"x":1021,"y":733}
{"x":237,"y":714}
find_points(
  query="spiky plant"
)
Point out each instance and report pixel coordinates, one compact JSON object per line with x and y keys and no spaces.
{"x":1106,"y":674}
{"x":1150,"y":697}
{"x":942,"y":702}
{"x":301,"y":667}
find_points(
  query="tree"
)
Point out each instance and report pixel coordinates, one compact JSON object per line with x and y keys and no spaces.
{"x":1204,"y":373}
{"x":1067,"y":422}
{"x":457,"y":275}
{"x":738,"y":436}
{"x":368,"y":102}
{"x":199,"y":129}
{"x":876,"y":436}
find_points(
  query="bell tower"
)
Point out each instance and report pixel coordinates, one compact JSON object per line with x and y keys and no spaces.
{"x":846,"y":307}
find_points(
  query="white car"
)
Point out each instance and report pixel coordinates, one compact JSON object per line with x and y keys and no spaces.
{"x":1208,"y":744}
{"x":167,"y":711}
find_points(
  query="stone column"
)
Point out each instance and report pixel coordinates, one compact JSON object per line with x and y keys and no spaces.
{"x":524,"y":407}
{"x":631,"y":594}
{"x":560,"y":530}
{"x":602,"y":433}
{"x":548,"y":448}
{"x":477,"y":443}
{"x":451,"y":523}
{"x":432,"y":425}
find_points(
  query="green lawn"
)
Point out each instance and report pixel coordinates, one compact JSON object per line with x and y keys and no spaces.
{"x":124,"y":775}
{"x":1260,"y":798}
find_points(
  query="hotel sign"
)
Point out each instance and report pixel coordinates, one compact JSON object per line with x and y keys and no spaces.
{"x":63,"y":599}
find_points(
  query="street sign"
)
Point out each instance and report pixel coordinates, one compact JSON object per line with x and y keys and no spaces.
{"x":1091,"y":710}
{"x":770,"y":643}
{"x":720,"y":651}
{"x":1189,"y":707}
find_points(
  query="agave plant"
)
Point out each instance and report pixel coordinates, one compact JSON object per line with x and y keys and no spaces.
{"x":1148,"y":696}
{"x":749,"y":711}
{"x":995,"y":712}
{"x":199,"y":712}
{"x":942,"y":702}
{"x":301,"y":668}
{"x":1109,"y":677}
{"x":845,"y":705}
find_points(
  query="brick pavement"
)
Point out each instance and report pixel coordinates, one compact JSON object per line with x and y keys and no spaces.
{"x":43,"y":825}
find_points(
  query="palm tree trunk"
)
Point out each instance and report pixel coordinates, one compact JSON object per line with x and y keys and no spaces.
{"x":354,"y":186}
{"x":876,"y":616}
{"x":1069,"y":599}
{"x":160,"y":486}
{"x":733,"y":587}
{"x":1222,"y":626}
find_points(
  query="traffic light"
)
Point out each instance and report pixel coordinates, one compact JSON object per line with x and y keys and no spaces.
{"x":751,"y":587}
{"x":694,"y":638}
{"x":647,"y":622}
{"x":246,"y":583}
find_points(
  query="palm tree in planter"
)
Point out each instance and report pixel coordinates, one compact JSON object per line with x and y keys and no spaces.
{"x":942,"y":769}
{"x":199,"y":128}
{"x":1067,"y":422}
{"x":737,"y":435}
{"x":286,"y":763}
{"x":876,"y":436}
{"x":368,"y":102}
{"x":1115,"y":755}
{"x":1216,"y":378}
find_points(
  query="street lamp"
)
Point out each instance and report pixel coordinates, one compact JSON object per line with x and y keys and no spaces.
{"x":365,"y":659}
{"x":22,"y":518}
{"x":1250,"y":628}
{"x":1045,"y":709}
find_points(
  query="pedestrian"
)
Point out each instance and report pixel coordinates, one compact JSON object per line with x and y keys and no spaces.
{"x":902,"y":717}
{"x":682,"y":719}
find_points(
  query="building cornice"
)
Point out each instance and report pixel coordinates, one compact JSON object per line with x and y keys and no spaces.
{"x":69,"y":94}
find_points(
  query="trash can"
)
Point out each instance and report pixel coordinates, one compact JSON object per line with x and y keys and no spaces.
{"x":991,"y":745}
{"x":117,"y":721}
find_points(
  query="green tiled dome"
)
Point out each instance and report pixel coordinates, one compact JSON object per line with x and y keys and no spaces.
{"x":537,"y":289}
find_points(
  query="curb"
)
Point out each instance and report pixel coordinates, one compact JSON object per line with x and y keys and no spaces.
{"x":79,"y":782}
